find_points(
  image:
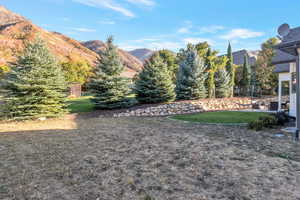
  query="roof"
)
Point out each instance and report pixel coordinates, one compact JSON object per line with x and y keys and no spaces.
{"x":294,"y":35}
{"x":282,"y":57}
{"x":290,"y":42}
{"x":238,"y":57}
{"x":282,"y":68}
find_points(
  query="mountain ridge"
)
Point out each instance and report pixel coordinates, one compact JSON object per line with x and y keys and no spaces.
{"x":142,"y":54}
{"x":16,"y":30}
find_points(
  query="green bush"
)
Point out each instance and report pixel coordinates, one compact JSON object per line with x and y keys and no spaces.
{"x":263,"y":122}
{"x":256,"y":125}
{"x":281,"y":117}
{"x":269,"y":121}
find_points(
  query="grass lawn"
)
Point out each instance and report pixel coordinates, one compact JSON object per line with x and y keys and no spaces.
{"x":82,"y":104}
{"x":91,"y":158}
{"x":221,"y":117}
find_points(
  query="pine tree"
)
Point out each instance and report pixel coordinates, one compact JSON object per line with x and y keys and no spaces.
{"x":230,"y":68}
{"x":223,"y":87}
{"x":246,"y":76}
{"x":35,"y":87}
{"x":191,"y":76}
{"x":154,"y":83}
{"x":169,"y":58}
{"x":109,"y":89}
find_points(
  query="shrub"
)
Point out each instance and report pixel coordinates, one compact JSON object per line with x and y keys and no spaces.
{"x":256,"y":125}
{"x":281,"y":117}
{"x":263,"y":122}
{"x":269,"y":121}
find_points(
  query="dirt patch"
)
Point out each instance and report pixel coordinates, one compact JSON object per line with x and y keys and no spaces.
{"x":134,"y":158}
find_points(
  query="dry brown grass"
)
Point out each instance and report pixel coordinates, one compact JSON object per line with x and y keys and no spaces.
{"x":134,"y":158}
{"x":66,"y":123}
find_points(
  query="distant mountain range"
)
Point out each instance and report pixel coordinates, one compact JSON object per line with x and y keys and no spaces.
{"x":142,"y":54}
{"x":132,"y":63}
{"x":15,"y":30}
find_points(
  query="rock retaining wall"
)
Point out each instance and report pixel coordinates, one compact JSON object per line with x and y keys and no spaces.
{"x":186,"y":107}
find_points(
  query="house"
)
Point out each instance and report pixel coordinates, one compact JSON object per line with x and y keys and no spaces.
{"x":285,"y":66}
{"x":238,"y":57}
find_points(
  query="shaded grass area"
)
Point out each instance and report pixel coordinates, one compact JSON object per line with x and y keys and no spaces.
{"x":82,"y":104}
{"x":224,"y":117}
{"x":85,"y":104}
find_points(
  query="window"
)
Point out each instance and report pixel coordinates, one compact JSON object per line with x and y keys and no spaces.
{"x":294,"y":82}
{"x":285,"y":88}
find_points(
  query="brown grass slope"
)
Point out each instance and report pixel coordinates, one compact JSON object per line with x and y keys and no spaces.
{"x":15,"y":31}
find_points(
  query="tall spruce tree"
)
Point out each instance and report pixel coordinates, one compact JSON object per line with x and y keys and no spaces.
{"x":191,"y":76}
{"x":230,"y":67}
{"x":35,"y":87}
{"x":154,"y":83}
{"x":223,"y":87}
{"x":170,"y":59}
{"x":109,"y":89}
{"x":246,"y":76}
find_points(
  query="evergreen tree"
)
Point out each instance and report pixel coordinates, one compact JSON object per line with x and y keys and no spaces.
{"x":223,"y":87}
{"x":231,"y":69}
{"x":109,"y":89}
{"x":191,"y":76}
{"x":154,"y":83}
{"x":246,"y":76}
{"x":35,"y":87}
{"x":171,"y":61}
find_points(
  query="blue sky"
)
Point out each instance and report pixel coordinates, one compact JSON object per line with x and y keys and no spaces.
{"x":158,"y":24}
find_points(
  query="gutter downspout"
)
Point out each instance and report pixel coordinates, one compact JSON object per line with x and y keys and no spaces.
{"x":298,"y":94}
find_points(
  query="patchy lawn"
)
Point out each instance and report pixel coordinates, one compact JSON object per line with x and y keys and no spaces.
{"x":225,"y":117}
{"x":132,"y":158}
{"x":82,"y":104}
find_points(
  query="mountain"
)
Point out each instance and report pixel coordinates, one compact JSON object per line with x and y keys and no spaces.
{"x":131,"y":63}
{"x":16,"y":30}
{"x":142,"y":54}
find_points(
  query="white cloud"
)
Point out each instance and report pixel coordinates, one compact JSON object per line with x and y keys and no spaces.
{"x":146,"y":40}
{"x":110,"y":4}
{"x":198,"y":40}
{"x":211,"y":29}
{"x":143,"y":2}
{"x":241,"y":34}
{"x":86,"y":30}
{"x":128,"y":47}
{"x":164,"y":45}
{"x":152,"y":45}
{"x":107,"y":21}
{"x":186,"y":28}
{"x":183,"y":30}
